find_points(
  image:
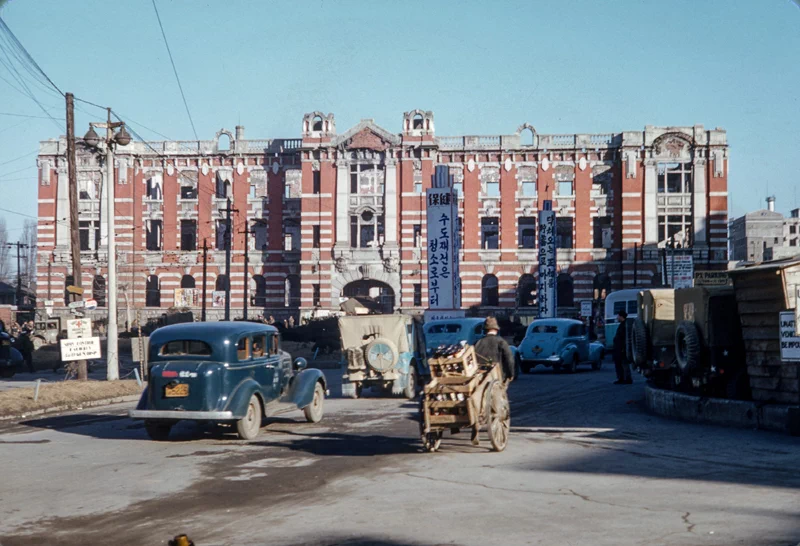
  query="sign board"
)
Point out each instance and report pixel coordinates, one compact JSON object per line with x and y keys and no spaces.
{"x":443,"y":315}
{"x":49,"y":303}
{"x":80,"y":349}
{"x":90,"y":304}
{"x":187,"y":297}
{"x":139,"y":345}
{"x":586,"y":308}
{"x":218,"y":298}
{"x":444,"y":290}
{"x":679,"y":270}
{"x":546,"y":287}
{"x":76,"y":304}
{"x":790,"y":341}
{"x":711,"y":278}
{"x":75,"y":290}
{"x":79,"y":328}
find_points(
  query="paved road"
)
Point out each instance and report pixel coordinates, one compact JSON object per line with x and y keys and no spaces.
{"x":585,"y":465}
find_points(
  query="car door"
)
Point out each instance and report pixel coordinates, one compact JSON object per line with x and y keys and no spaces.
{"x":584,"y":343}
{"x":263,"y":368}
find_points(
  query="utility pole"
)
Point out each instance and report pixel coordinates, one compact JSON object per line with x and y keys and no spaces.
{"x":228,"y":240}
{"x":74,"y":224}
{"x":18,"y":294}
{"x":246,"y":270}
{"x":205,"y":261}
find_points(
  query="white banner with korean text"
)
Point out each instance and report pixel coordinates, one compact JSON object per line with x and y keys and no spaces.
{"x":546,"y":287}
{"x":443,"y":271}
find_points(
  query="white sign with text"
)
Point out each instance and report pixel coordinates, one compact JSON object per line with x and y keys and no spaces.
{"x":790,"y":341}
{"x":442,"y":214}
{"x":546,"y":289}
{"x":78,"y":328}
{"x":80,"y":349}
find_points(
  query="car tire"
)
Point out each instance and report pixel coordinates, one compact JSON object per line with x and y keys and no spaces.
{"x":249,"y":426}
{"x":158,"y":432}
{"x":314,"y":410}
{"x":597,"y":364}
{"x":384,"y":352}
{"x":410,"y":392}
{"x":688,"y":346}
{"x":7,"y":373}
{"x":640,"y":341}
{"x":573,"y":366}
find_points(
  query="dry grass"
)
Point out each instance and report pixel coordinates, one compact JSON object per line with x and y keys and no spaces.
{"x":63,"y":394}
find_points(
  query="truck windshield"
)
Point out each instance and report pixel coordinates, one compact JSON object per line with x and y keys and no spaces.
{"x":444,"y":329}
{"x":183,"y":347}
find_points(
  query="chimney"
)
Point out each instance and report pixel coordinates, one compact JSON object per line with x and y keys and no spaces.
{"x":240,"y":132}
{"x":771,"y":203}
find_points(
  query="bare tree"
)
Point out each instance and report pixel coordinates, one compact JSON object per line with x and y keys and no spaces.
{"x":29,"y":263}
{"x":5,"y":269}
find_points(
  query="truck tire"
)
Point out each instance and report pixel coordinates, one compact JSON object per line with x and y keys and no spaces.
{"x":314,"y":410}
{"x":688,"y":346}
{"x":410,"y":392}
{"x":381,"y":354}
{"x":640,"y":341}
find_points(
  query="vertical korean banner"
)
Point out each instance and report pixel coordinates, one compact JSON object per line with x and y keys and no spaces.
{"x":442,"y":264}
{"x":546,"y":290}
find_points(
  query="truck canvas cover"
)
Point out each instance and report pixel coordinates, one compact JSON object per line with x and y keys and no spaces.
{"x":357,"y":331}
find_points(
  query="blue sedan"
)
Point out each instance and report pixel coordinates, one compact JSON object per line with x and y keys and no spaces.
{"x":560,"y":344}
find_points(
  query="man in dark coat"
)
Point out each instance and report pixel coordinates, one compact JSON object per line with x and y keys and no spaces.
{"x":493,"y":348}
{"x":620,"y":353}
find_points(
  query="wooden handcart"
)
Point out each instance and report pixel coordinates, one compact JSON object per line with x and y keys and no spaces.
{"x":464,"y":394}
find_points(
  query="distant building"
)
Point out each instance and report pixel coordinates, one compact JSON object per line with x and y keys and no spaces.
{"x":334,"y":215}
{"x":765,"y":235}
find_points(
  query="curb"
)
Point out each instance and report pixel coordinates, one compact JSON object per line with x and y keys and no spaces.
{"x":724,"y":412}
{"x":72,"y":407}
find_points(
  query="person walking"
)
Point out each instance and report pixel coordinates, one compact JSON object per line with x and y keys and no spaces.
{"x":494,"y":348}
{"x":621,"y":364}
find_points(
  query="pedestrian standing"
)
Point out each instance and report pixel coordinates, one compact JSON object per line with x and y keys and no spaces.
{"x":621,"y":363}
{"x":26,"y":348}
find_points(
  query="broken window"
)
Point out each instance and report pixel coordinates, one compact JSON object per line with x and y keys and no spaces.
{"x":260,"y":235}
{"x":315,"y":242}
{"x":603,"y":234}
{"x":490,"y":293}
{"x":188,"y":192}
{"x":154,"y":189}
{"x":418,"y":121}
{"x":417,"y":295}
{"x":222,"y":228}
{"x":526,"y":233}
{"x":291,"y":236}
{"x":317,"y":183}
{"x":153,"y":235}
{"x":292,"y":291}
{"x":564,"y":232}
{"x":490,"y":233}
{"x":417,"y":235}
{"x":259,"y":297}
{"x":674,"y":178}
{"x":84,"y":230}
{"x":223,"y":188}
{"x":316,"y":295}
{"x":153,"y":292}
{"x":188,"y":235}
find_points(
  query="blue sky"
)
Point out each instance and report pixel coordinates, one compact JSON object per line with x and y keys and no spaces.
{"x":482,"y":67}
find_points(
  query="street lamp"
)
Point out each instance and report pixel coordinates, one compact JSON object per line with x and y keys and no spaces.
{"x":111,"y":140}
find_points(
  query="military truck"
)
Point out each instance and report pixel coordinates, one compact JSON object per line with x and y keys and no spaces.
{"x":651,"y":339}
{"x":709,"y":346}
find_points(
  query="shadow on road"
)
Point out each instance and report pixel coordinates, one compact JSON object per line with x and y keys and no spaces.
{"x":346,"y":445}
{"x":363,"y":541}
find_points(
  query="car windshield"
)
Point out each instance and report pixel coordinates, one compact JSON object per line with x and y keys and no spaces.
{"x":544,"y":329}
{"x":444,"y":329}
{"x":185,"y":347}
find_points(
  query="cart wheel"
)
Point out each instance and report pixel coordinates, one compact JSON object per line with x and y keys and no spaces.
{"x":498,"y":416}
{"x":432,"y":441}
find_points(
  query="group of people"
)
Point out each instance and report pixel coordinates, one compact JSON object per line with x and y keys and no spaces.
{"x":22,"y":333}
{"x":287,"y":323}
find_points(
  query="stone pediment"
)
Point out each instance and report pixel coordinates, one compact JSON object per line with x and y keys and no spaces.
{"x":368,"y":135}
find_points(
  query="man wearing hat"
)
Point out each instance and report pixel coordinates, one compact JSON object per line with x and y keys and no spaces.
{"x":494,"y":348}
{"x":620,"y":353}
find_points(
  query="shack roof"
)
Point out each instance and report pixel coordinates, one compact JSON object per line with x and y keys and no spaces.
{"x":767,"y":266}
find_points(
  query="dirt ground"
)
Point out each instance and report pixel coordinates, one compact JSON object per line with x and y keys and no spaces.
{"x":63,"y":393}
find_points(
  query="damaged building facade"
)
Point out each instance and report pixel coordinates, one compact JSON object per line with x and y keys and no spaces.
{"x":331,"y":215}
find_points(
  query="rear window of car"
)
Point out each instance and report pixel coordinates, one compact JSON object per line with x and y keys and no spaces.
{"x":629,"y":306}
{"x":544,"y":329}
{"x":444,"y":329}
{"x":185,"y":347}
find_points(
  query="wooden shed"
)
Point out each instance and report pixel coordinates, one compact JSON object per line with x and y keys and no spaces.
{"x":762,"y":292}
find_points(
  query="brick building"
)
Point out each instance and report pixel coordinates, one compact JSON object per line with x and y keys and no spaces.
{"x":333,"y":214}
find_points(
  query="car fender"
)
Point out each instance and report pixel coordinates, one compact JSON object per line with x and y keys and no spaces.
{"x":142,"y":405}
{"x":240,"y":397}
{"x":301,"y":389}
{"x":596,"y":351}
{"x":568,"y":351}
{"x":15,"y":356}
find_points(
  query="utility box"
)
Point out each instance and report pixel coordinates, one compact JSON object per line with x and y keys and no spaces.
{"x":763,"y":293}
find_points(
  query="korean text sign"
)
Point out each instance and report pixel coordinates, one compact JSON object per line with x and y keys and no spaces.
{"x":546,"y":289}
{"x":443,"y":273}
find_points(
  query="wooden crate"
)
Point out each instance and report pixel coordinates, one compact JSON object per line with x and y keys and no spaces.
{"x":454,"y":368}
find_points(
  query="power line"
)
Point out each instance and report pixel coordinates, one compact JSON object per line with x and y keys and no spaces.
{"x":28,"y":55}
{"x":20,"y":157}
{"x":175,"y":70}
{"x":23,"y":115}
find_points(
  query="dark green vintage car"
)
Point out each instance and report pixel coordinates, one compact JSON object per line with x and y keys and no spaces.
{"x":226,"y":372}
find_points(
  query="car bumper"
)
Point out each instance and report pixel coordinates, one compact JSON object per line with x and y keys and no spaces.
{"x":181,"y":415}
{"x":551,"y":361}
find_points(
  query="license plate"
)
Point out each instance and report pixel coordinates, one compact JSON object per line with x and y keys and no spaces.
{"x":181,"y":390}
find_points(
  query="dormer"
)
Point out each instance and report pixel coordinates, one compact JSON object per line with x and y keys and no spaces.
{"x":418,"y":123}
{"x":318,"y":125}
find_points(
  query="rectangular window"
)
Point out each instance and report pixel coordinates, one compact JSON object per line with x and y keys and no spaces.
{"x":84,"y":229}
{"x":188,"y":192}
{"x":417,"y":235}
{"x":458,"y":187}
{"x":526,"y":233}
{"x":220,"y":238}
{"x":243,"y":349}
{"x":417,"y":295}
{"x":253,"y":191}
{"x":490,"y":233}
{"x":317,"y":184}
{"x":417,"y":186}
{"x":259,"y":345}
{"x":564,"y":188}
{"x":674,"y":178}
{"x":602,"y":232}
{"x":367,"y":235}
{"x":792,"y":229}
{"x":316,"y":237}
{"x":354,"y":182}
{"x":260,"y":235}
{"x":675,"y":226}
{"x":528,"y":188}
{"x":316,"y":295}
{"x":793,"y":242}
{"x":154,"y":235}
{"x":154,"y":188}
{"x":354,"y":231}
{"x":188,"y":235}
{"x":291,"y":237}
{"x":564,"y":232}
{"x":493,"y":189}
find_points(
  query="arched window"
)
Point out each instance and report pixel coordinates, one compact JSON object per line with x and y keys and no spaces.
{"x":526,"y":137}
{"x":490,"y":291}
{"x":564,"y":290}
{"x":99,"y":290}
{"x":418,"y":122}
{"x":526,"y":291}
{"x":152,"y":292}
{"x":69,"y":280}
{"x":221,"y":283}
{"x":292,"y":291}
{"x":258,"y":296}
{"x":187,"y":281}
{"x":317,"y":124}
{"x":224,"y":143}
